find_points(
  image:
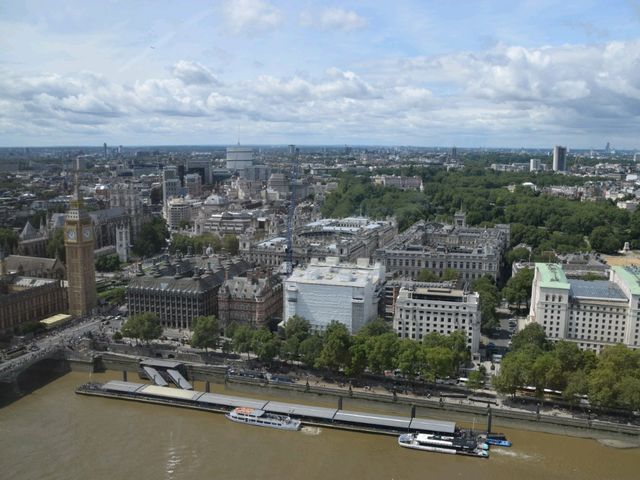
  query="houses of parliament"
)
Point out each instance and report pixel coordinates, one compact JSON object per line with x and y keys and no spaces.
{"x":33,"y":289}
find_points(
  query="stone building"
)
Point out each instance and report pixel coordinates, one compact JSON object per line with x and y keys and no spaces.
{"x":252,"y":300}
{"x":423,"y":308}
{"x":40,"y":267}
{"x":472,"y":251}
{"x":25,"y":299}
{"x":125,"y":195}
{"x":592,"y":314}
{"x":32,"y":242}
{"x":347,"y":239}
{"x":180,"y":290}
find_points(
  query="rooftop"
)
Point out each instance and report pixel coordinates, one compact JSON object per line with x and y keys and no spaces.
{"x":552,"y":276}
{"x":630,"y":275}
{"x":596,"y":289}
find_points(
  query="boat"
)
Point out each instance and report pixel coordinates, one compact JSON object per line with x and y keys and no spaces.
{"x":253,"y":416}
{"x":444,"y":444}
{"x":498,"y":439}
{"x":499,"y":443}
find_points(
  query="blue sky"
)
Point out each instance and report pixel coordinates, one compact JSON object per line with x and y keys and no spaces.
{"x":465,"y":73}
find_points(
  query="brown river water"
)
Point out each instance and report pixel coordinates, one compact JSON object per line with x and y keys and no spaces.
{"x":52,"y":433}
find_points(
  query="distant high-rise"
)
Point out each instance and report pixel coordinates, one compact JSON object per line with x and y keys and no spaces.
{"x":559,"y":158}
{"x":239,"y":158}
{"x":104,"y":147}
{"x":170,"y":185}
{"x":534,"y":164}
{"x":607,"y":148}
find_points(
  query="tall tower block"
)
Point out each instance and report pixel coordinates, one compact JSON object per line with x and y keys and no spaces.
{"x":79,"y":242}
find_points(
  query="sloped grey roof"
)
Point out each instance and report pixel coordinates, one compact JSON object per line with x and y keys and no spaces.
{"x":29,"y":263}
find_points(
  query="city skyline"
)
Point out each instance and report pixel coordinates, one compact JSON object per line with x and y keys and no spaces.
{"x":534,"y":74}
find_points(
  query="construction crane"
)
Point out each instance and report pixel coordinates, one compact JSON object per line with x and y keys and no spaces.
{"x":293,"y":153}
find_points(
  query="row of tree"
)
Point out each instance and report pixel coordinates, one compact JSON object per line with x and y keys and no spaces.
{"x":375,"y":348}
{"x":198,"y":243}
{"x":611,"y":379}
{"x":545,"y":222}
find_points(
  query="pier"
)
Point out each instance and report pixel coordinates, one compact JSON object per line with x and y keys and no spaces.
{"x":309,"y":415}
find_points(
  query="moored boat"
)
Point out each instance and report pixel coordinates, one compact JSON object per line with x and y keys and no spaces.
{"x":443,"y":444}
{"x":254,"y":416}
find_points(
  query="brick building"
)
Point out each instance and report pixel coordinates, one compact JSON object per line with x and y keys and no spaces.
{"x":252,"y":300}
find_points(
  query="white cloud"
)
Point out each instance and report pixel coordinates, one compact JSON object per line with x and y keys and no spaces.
{"x":333,"y":19}
{"x":247,"y":16}
{"x":192,"y":73}
{"x":493,"y":96}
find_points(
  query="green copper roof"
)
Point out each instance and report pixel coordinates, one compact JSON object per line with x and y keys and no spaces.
{"x":552,"y":276}
{"x":631,"y":277}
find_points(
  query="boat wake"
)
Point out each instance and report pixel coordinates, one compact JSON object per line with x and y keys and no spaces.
{"x":311,"y":430}
{"x":510,"y":453}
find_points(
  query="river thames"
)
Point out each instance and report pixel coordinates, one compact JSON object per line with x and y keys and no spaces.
{"x":53,"y":433}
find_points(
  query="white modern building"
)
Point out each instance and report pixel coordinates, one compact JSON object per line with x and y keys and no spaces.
{"x":329,"y":290}
{"x":423,"y":308}
{"x":592,"y":314}
{"x":181,"y":210}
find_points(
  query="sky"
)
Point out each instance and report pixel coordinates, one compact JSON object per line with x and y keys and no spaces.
{"x":468,"y":73}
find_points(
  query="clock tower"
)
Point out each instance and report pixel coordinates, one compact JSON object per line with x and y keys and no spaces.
{"x":78,"y":241}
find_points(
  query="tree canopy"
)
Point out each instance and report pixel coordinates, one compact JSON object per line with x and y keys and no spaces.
{"x":144,"y":326}
{"x":206,"y":332}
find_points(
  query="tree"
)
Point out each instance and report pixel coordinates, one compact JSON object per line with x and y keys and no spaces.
{"x":605,"y":240}
{"x":310,"y":350}
{"x":476,"y":380}
{"x":206,"y":332}
{"x":457,"y":343}
{"x":297,"y":327}
{"x":532,"y":334}
{"x":231,"y":244}
{"x":518,"y":288}
{"x":426,"y":275}
{"x":376,"y":327}
{"x":517,"y":254}
{"x":382,"y":352}
{"x":450,"y":274}
{"x":289,"y":348}
{"x":243,"y":339}
{"x":8,"y":240}
{"x":515,"y":370}
{"x":358,"y":357}
{"x":489,"y":301}
{"x":410,"y":358}
{"x":108,"y":263}
{"x":152,"y":238}
{"x":335,"y":349}
{"x":439,"y":362}
{"x":55,"y":245}
{"x":265,"y":345}
{"x":144,"y":326}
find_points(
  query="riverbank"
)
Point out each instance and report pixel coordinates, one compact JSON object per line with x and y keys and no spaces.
{"x":450,"y":410}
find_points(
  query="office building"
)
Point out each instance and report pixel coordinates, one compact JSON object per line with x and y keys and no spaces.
{"x":423,"y":308}
{"x":327,"y":291}
{"x":559,"y":158}
{"x":472,"y":251}
{"x":239,"y":158}
{"x":593,"y":313}
{"x":171,"y":186}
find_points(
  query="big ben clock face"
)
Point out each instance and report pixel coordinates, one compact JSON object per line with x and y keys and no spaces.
{"x":71,"y":235}
{"x":86,"y":233}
